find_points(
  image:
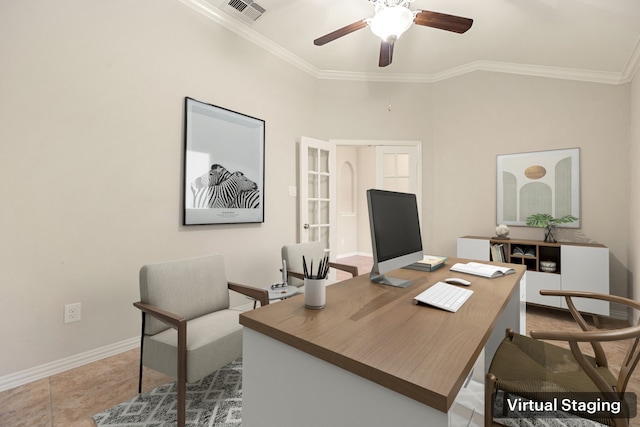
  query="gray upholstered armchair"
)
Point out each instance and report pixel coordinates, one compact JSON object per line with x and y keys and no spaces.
{"x":292,"y":254}
{"x":189,"y":332}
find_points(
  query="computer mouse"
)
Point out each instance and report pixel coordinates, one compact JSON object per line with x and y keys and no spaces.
{"x":457,"y":281}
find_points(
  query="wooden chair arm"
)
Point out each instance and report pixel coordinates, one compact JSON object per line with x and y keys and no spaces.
{"x":171,"y":319}
{"x":259,"y":294}
{"x":588,"y":335}
{"x":295,"y":274}
{"x":592,"y":295}
{"x":352,"y":269}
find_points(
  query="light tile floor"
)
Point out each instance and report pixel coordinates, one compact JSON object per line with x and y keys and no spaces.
{"x":70,"y":398}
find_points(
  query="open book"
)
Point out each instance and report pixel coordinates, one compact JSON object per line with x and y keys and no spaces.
{"x":483,"y":270}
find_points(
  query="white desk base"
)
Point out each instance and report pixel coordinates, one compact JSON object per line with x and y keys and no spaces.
{"x":324,"y":394}
{"x":286,"y":387}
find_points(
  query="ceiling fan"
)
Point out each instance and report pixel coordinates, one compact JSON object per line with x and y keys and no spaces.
{"x":391,"y":19}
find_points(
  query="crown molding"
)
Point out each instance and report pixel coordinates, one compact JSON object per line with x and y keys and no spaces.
{"x":534,"y":70}
{"x":633,"y":64}
{"x":491,"y":66}
{"x":232,"y":24}
{"x":251,"y":35}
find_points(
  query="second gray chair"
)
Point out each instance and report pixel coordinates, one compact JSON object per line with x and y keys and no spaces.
{"x":293,"y":254}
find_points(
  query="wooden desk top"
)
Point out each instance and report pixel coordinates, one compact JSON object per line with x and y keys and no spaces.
{"x":375,"y":331}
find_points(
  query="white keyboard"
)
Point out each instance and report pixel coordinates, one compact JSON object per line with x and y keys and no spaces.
{"x":444,"y":296}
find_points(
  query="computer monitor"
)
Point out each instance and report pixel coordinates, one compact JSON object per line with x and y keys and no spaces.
{"x":395,"y":234}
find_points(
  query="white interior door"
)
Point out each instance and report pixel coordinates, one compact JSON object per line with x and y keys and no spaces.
{"x":317,"y":202}
{"x":397,"y":168}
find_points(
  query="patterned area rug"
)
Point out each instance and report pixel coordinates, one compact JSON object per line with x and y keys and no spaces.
{"x":214,"y":401}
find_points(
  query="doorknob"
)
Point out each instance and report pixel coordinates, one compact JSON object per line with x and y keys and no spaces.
{"x":306,"y":226}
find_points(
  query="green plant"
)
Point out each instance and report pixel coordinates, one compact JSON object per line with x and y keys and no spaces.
{"x":548,"y":222}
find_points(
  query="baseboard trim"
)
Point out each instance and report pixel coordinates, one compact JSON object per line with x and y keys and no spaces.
{"x":48,"y":369}
{"x":618,"y":314}
{"x":365,"y":254}
{"x":347,"y":255}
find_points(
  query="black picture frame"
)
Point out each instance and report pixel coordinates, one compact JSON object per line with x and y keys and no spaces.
{"x":223,"y":166}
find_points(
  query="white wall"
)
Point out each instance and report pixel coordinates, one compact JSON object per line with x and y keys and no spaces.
{"x":91,"y":139}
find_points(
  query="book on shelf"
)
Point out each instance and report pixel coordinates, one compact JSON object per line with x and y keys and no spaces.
{"x":428,"y":263}
{"x":483,"y":270}
{"x":497,"y":252}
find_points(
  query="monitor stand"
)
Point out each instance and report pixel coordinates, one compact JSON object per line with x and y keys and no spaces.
{"x":389,"y":281}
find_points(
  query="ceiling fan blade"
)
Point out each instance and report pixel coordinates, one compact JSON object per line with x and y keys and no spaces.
{"x":442,"y":21}
{"x":386,"y":53}
{"x":341,"y":32}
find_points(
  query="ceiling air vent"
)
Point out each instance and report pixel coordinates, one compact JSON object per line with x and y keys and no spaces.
{"x":246,"y":10}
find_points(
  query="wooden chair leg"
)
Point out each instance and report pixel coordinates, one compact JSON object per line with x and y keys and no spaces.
{"x":141,"y":350}
{"x":489,"y":399}
{"x":182,"y":372}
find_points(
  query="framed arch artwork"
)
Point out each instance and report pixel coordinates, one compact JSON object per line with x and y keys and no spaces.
{"x":538,"y":182}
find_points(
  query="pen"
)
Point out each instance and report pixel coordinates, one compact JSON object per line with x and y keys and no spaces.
{"x":304,"y":267}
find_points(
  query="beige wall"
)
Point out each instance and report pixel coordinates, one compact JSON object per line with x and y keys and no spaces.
{"x":347,"y":203}
{"x":366,"y":180}
{"x":481,"y":115}
{"x":91,"y":113}
{"x":465,"y":122}
{"x":91,"y":139}
{"x":633,"y":242}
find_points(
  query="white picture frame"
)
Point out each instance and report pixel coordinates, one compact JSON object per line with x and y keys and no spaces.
{"x":538,"y":182}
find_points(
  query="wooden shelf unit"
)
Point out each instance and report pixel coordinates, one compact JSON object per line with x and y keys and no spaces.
{"x":533,"y":252}
{"x":579,"y":266}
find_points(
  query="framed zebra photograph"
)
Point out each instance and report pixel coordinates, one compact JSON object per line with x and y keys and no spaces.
{"x":223,"y":166}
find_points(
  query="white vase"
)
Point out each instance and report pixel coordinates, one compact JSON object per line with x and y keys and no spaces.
{"x":315,"y":293}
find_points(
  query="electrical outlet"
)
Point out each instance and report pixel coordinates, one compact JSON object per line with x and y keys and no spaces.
{"x":72,"y":312}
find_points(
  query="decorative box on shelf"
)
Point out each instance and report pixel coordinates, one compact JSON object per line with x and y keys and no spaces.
{"x":561,"y":265}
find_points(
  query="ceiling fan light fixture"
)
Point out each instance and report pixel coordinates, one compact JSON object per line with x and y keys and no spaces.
{"x":391,"y":22}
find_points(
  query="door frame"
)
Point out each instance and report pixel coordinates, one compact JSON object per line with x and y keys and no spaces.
{"x":395,"y":142}
{"x":303,"y":169}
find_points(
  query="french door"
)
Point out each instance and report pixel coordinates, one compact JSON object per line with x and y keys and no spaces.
{"x":317,"y":203}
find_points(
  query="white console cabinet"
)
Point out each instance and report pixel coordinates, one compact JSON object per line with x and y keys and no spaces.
{"x":579,"y":266}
